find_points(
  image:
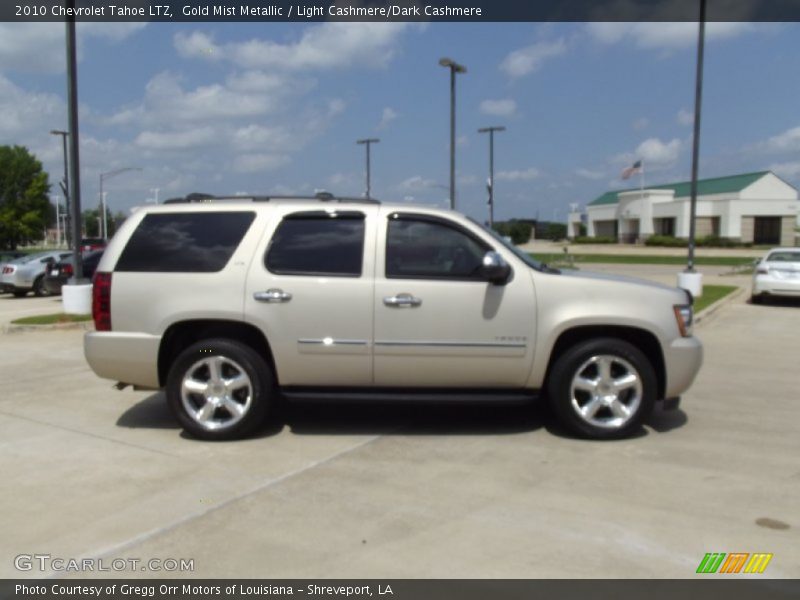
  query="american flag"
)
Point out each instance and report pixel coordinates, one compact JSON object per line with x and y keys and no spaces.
{"x":634,"y":168}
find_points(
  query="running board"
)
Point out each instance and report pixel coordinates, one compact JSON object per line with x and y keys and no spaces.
{"x":395,"y":395}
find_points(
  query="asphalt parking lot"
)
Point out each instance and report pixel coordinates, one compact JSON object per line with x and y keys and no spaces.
{"x":393,"y":491}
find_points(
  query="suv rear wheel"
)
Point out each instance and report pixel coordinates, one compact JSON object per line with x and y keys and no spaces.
{"x":602,"y":388}
{"x":220,"y":389}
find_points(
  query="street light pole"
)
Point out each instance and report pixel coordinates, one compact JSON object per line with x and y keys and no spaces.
{"x":103,"y":208}
{"x":454,"y":68}
{"x":368,"y":142}
{"x":490,"y":131}
{"x":65,"y":184}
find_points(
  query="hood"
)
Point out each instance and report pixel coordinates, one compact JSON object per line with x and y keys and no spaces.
{"x":616,"y":278}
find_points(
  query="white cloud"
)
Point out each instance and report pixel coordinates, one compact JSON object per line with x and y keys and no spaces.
{"x":417,"y":183}
{"x":499,"y":108}
{"x":788,"y":141}
{"x":640,"y":123}
{"x":253,"y":163}
{"x":23,"y":113}
{"x":653,"y":152}
{"x":685,"y":117}
{"x":388,"y":115}
{"x":528,"y":174}
{"x":175,"y":140}
{"x":667,"y":36}
{"x":40,"y":47}
{"x":789,"y":170}
{"x":196,"y":45}
{"x":325,"y":46}
{"x":589,"y":174}
{"x":526,"y":60}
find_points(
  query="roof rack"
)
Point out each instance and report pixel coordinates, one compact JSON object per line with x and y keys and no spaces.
{"x":321,"y":196}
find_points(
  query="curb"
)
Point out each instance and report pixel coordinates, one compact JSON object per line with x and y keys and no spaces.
{"x":13,"y":328}
{"x":710,"y":310}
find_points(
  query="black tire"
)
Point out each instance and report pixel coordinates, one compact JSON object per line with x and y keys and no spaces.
{"x":20,"y":293}
{"x":756,"y":299}
{"x":38,"y":287}
{"x":615,"y":413}
{"x":218,"y":422}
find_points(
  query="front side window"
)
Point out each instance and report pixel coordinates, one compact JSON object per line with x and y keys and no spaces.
{"x":419,"y":247}
{"x":318,"y":243}
{"x":201,"y":242}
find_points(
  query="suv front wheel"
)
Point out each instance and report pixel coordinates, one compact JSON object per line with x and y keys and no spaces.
{"x":602,"y":388}
{"x":220,"y":389}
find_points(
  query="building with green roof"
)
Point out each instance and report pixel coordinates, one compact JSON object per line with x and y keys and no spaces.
{"x":757,"y":208}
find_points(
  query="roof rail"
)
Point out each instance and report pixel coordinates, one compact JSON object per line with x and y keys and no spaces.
{"x":320,"y":196}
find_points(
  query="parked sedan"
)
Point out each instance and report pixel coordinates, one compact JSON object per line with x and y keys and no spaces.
{"x":777,"y":274}
{"x":59,"y":273}
{"x":26,"y":274}
{"x":89,"y":244}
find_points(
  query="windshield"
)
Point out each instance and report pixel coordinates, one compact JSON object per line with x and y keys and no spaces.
{"x":523,"y":256}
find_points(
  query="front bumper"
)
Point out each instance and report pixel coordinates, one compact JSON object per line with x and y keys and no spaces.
{"x":682,"y":361}
{"x":125,"y":357}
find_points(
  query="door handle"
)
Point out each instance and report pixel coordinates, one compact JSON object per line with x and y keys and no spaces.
{"x":401,"y":300}
{"x":272,"y":295}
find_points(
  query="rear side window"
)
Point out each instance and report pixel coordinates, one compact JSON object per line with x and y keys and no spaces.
{"x":318,"y":243}
{"x":200,"y":242}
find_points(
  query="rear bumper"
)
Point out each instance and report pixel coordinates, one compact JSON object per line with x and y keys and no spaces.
{"x":682,"y":360}
{"x":776,"y":287}
{"x":53,"y":285}
{"x":125,"y":357}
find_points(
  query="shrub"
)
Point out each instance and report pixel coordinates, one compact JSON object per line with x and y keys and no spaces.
{"x":582,"y":239}
{"x":519,"y":232}
{"x":667,"y":241}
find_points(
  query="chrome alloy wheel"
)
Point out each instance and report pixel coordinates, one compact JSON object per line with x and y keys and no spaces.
{"x":606,"y":391}
{"x":216,"y":392}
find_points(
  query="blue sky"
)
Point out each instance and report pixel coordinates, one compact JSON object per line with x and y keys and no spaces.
{"x":276,"y":108}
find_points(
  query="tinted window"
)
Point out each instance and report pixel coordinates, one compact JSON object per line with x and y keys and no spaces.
{"x":424,"y":248}
{"x":184,"y":242}
{"x":318,"y":243}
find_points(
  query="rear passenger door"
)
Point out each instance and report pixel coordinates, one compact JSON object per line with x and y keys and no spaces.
{"x":310,"y":290}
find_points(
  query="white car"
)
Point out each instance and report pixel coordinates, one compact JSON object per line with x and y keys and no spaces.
{"x":777,"y":274}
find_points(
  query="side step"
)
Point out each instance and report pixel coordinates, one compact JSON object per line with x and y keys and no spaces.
{"x":427,"y":395}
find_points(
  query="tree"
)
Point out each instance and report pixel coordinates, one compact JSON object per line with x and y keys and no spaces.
{"x":24,"y":205}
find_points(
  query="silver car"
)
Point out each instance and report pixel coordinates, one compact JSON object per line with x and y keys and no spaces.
{"x":777,"y":274}
{"x":26,"y":274}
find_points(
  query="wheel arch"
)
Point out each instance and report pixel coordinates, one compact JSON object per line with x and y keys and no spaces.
{"x":183,"y":334}
{"x":642,"y":339}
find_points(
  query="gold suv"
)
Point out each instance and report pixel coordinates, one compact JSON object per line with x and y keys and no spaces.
{"x":235,"y":304}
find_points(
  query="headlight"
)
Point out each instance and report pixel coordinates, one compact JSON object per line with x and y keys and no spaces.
{"x":685,"y":317}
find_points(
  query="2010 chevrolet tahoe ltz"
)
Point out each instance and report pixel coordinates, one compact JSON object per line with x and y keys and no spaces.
{"x":233,"y":305}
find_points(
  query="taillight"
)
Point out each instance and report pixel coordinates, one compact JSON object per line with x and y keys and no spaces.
{"x":7,"y":270}
{"x":101,"y":301}
{"x":67,"y":270}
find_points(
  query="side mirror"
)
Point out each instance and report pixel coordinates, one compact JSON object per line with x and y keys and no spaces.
{"x":495,"y":269}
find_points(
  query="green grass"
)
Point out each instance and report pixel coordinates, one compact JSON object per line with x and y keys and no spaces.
{"x":52,"y":319}
{"x":712,"y":293}
{"x":645,"y":259}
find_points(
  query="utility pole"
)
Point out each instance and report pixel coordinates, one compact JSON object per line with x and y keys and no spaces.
{"x":65,"y":185}
{"x":368,"y":142}
{"x":490,"y":131}
{"x":74,"y":153}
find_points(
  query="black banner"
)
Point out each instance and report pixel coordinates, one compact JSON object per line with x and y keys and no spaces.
{"x":398,"y":10}
{"x":403,"y":589}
